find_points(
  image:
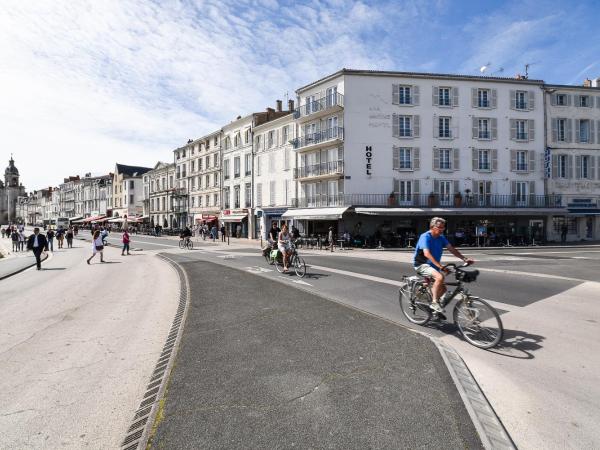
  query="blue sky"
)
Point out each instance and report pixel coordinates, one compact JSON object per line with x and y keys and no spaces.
{"x":85,"y":84}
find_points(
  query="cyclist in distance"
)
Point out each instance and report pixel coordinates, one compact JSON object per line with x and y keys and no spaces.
{"x":186,"y":234}
{"x":428,"y":256}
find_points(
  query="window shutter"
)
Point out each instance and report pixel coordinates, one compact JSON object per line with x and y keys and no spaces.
{"x":494,"y":160}
{"x":513,"y":129}
{"x":553,"y":99}
{"x":416,"y":187}
{"x":456,"y":162}
{"x":554,"y":130}
{"x":475,"y":159}
{"x":513,"y":187}
{"x":395,"y":94}
{"x":475,"y":128}
{"x":513,"y":160}
{"x":592,"y":136}
{"x":531,"y":100}
{"x":455,"y":97}
{"x":416,"y":126}
{"x":474,"y":97}
{"x":494,"y":102}
{"x":554,"y":166}
{"x":395,"y":125}
{"x":513,"y":99}
{"x":456,"y":186}
{"x":531,"y":129}
{"x":436,"y":96}
{"x":488,"y":187}
{"x":395,"y":158}
{"x":531,"y":160}
{"x":416,"y":163}
{"x":570,"y":167}
{"x":494,"y":128}
{"x":577,"y":129}
{"x":475,"y":189}
{"x":436,"y":186}
{"x":598,"y":102}
{"x":532,"y":188}
{"x":436,"y":159}
{"x":578,"y":166}
{"x":592,"y":167}
{"x":396,"y":185}
{"x":569,"y":99}
{"x":569,"y":123}
{"x":415,"y":95}
{"x":436,"y":126}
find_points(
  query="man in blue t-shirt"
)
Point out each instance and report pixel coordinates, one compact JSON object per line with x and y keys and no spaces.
{"x":428,"y":254}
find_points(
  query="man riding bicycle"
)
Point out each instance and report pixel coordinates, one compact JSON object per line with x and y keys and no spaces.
{"x":428,"y":254}
{"x":186,"y":234}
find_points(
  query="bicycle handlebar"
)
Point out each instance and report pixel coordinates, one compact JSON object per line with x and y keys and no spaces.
{"x":454,"y":266}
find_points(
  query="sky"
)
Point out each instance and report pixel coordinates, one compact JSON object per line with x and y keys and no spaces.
{"x":86,"y":84}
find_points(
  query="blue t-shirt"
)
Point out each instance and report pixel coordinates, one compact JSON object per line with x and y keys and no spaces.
{"x":434,"y":245}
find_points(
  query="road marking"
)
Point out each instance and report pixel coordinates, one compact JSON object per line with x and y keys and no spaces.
{"x":534,"y":274}
{"x":256,"y":269}
{"x":283,"y":277}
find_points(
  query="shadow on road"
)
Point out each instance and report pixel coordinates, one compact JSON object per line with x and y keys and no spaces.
{"x":54,"y":268}
{"x":315,"y":275}
{"x":518,"y":344}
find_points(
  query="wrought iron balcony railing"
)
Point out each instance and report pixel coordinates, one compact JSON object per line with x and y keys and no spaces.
{"x":321,"y":104}
{"x":432,"y":201}
{"x":327,"y":134}
{"x":315,"y":170}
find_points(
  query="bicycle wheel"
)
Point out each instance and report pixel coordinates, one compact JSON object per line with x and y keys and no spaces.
{"x":190,"y":245}
{"x":415,"y":309}
{"x":181,"y":243}
{"x":278,"y":261}
{"x":299,"y":266}
{"x":268,"y":259}
{"x":478,"y":322}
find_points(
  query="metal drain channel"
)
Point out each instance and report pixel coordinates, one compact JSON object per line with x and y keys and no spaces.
{"x":141,"y":425}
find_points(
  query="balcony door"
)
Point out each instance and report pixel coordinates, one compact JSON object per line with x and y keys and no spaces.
{"x":332,"y":127}
{"x":331,"y":96}
{"x":332,"y":193}
{"x":310,"y":132}
{"x":521,"y":193}
{"x":445,"y":193}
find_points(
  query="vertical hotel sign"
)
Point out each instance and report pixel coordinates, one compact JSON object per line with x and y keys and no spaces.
{"x":369,"y":159}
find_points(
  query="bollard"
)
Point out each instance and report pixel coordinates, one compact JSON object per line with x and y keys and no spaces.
{"x":227,"y":239}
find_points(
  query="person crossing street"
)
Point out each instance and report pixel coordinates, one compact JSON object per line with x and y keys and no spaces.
{"x":37,"y":243}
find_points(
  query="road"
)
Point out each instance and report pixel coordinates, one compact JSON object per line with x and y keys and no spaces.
{"x":543,"y":381}
{"x":77,"y":346}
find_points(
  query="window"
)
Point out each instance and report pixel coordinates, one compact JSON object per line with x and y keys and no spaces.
{"x":404,"y":124}
{"x":563,"y":165}
{"x":199,"y":201}
{"x":445,"y":192}
{"x":584,"y":101}
{"x":258,"y":142}
{"x":131,"y":184}
{"x":521,"y":100}
{"x":404,"y":95}
{"x":208,"y":199}
{"x":193,"y":202}
{"x":192,"y":166}
{"x":521,"y":130}
{"x":311,"y":105}
{"x":258,"y":165}
{"x":561,"y":128}
{"x":215,"y":141}
{"x":171,"y":182}
{"x":285,"y":135}
{"x":237,"y":140}
{"x":583,"y":131}
{"x":483,"y":160}
{"x":521,"y":161}
{"x":207,"y":180}
{"x":561,"y":99}
{"x":272,"y":193}
{"x":583,"y":164}
{"x":444,"y":127}
{"x":215,"y":199}
{"x":183,"y":153}
{"x":247,"y":136}
{"x":404,"y":191}
{"x":444,"y":155}
{"x":236,"y":167}
{"x":521,"y":191}
{"x":226,"y":169}
{"x":331,"y":96}
{"x":258,"y":194}
{"x":207,"y":145}
{"x":236,"y":196}
{"x":226,"y":198}
{"x":216,"y":179}
{"x":248,"y":163}
{"x":483,"y":100}
{"x":193,"y":183}
{"x":199,"y":182}
{"x":199,"y":164}
{"x":484,"y":129}
{"x":248,"y":195}
{"x":559,"y":222}
{"x":131,"y":201}
{"x":444,"y":96}
{"x":227,"y":143}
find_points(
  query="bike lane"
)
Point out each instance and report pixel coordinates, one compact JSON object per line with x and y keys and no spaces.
{"x":264,"y":365}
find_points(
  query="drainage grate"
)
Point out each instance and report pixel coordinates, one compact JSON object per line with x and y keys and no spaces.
{"x":138,"y":433}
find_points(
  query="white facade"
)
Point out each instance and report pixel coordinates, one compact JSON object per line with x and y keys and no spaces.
{"x":274,"y":170}
{"x":573,"y":141}
{"x":158,"y":186}
{"x":128,"y":190}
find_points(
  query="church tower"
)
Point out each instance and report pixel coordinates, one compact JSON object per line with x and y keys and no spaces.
{"x":12,"y":190}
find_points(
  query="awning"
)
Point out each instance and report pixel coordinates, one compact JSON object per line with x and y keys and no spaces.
{"x":458,"y":211}
{"x":117,"y":220}
{"x":582,"y":212}
{"x":94,"y":219}
{"x":315,"y":213}
{"x":77,"y":219}
{"x":233,"y":217}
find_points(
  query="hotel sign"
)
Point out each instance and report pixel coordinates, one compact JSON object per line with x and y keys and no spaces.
{"x":369,"y":158}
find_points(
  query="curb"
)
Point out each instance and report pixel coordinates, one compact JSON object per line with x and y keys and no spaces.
{"x":2,"y":277}
{"x":147,"y":415}
{"x":489,"y":427}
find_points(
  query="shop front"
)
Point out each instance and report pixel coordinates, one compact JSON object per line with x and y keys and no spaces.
{"x":315,"y":222}
{"x":265,"y":218}
{"x":236,"y":222}
{"x":207,"y":218}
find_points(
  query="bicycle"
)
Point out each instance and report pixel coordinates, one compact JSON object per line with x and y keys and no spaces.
{"x":478,"y":322}
{"x":275,"y":257}
{"x":186,"y":242}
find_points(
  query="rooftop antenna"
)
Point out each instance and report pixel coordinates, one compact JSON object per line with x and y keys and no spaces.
{"x":527,"y":66}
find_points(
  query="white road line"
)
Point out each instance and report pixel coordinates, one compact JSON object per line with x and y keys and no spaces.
{"x":533,"y":274}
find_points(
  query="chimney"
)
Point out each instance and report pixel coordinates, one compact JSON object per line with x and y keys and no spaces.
{"x":587,"y":83}
{"x":279,"y":105}
{"x":270,"y":110}
{"x":290,"y":105}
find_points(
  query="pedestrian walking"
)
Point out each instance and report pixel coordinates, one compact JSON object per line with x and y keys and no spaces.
{"x":125,"y":243}
{"x":97,"y":247}
{"x":37,"y":243}
{"x":3,"y":231}
{"x":50,"y":239}
{"x":213,"y":233}
{"x":223,"y":233}
{"x":60,"y":237}
{"x":22,"y":240}
{"x":330,"y":238}
{"x":75,"y":230}
{"x":563,"y":233}
{"x":69,"y":237}
{"x":14,"y":236}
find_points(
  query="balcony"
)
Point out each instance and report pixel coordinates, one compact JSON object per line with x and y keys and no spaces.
{"x":472,"y":201}
{"x":319,"y":139}
{"x":179,"y":192}
{"x":320,"y":107}
{"x":322,"y":170}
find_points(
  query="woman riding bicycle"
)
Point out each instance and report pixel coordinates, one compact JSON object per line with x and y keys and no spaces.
{"x":283,"y":243}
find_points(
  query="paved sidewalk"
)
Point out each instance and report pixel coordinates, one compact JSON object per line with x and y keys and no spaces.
{"x":261,"y":365}
{"x":16,"y":261}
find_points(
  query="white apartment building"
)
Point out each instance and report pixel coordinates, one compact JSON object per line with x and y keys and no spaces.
{"x":394,"y":149}
{"x":128,"y":191}
{"x":180,"y":193}
{"x":67,"y":197}
{"x":573,"y":158}
{"x":274,"y":170}
{"x":158,"y":186}
{"x":204,"y":179}
{"x":94,"y":196}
